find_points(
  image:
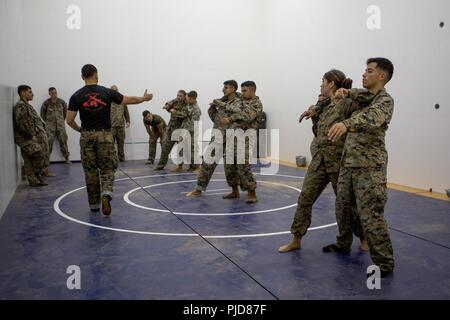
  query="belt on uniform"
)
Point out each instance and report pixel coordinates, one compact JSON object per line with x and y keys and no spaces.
{"x":95,"y":129}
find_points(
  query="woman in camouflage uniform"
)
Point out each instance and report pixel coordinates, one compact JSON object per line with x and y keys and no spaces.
{"x":326,"y":155}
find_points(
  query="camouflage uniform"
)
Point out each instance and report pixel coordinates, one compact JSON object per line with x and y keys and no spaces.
{"x":177,"y":116}
{"x":154,"y":136}
{"x":99,"y":163}
{"x":243,"y":117}
{"x":30,"y":136}
{"x":54,"y":115}
{"x":119,"y":114}
{"x":325,"y":163}
{"x":362,"y":179}
{"x":194,"y":114}
{"x":216,"y":114}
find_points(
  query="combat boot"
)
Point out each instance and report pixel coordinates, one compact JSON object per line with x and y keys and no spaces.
{"x":251,"y":198}
{"x":234,"y":194}
{"x":106,"y":205}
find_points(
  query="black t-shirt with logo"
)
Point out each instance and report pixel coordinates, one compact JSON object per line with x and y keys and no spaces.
{"x":94,"y":104}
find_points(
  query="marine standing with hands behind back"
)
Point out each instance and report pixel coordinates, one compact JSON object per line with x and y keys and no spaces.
{"x":119,"y":117}
{"x":53,"y":112}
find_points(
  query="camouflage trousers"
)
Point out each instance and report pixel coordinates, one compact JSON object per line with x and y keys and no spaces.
{"x":238,"y":173}
{"x":166,"y":148}
{"x":61,"y":136}
{"x":43,"y":142}
{"x":193,"y":146}
{"x":206,"y":172}
{"x":98,"y":157}
{"x":119,"y":139}
{"x":152,"y":146}
{"x":316,"y":180}
{"x":366,"y":189}
{"x":35,"y":159}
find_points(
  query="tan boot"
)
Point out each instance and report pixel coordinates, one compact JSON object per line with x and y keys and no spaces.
{"x":251,"y":198}
{"x":294,"y":244}
{"x":364,"y":246}
{"x":179,"y":168}
{"x":194,"y":168}
{"x":233,"y":195}
{"x":194,"y":193}
{"x":106,"y":205}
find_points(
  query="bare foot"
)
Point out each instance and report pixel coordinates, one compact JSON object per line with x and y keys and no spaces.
{"x":194,"y":193}
{"x":295,"y":244}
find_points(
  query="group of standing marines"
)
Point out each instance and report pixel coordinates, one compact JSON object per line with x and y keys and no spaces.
{"x":348,"y":148}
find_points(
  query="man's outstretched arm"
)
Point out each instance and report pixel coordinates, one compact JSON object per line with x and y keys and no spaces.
{"x":137,"y":100}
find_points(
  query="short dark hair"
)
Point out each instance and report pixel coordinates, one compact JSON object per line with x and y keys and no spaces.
{"x":250,"y":84}
{"x":88,"y":71}
{"x":192,"y":94}
{"x":182,"y":91}
{"x":145,"y":113}
{"x":232,"y":83}
{"x":22,"y":88}
{"x":51,"y":89}
{"x":383,"y":64}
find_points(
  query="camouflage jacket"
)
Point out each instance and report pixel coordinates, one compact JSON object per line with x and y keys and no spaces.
{"x":246,"y":116}
{"x":365,"y":143}
{"x":225,"y":111}
{"x":27,"y":124}
{"x":54,"y":114}
{"x":194,"y":114}
{"x":321,"y":103}
{"x":179,"y":113}
{"x":119,"y":114}
{"x":322,"y":149}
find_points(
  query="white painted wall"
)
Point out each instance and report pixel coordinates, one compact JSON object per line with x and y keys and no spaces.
{"x":10,"y":54}
{"x":307,"y":38}
{"x":284,"y":45}
{"x":160,"y":45}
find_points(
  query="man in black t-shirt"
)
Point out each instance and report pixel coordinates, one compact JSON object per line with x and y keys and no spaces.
{"x":156,"y":128}
{"x":96,"y":142}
